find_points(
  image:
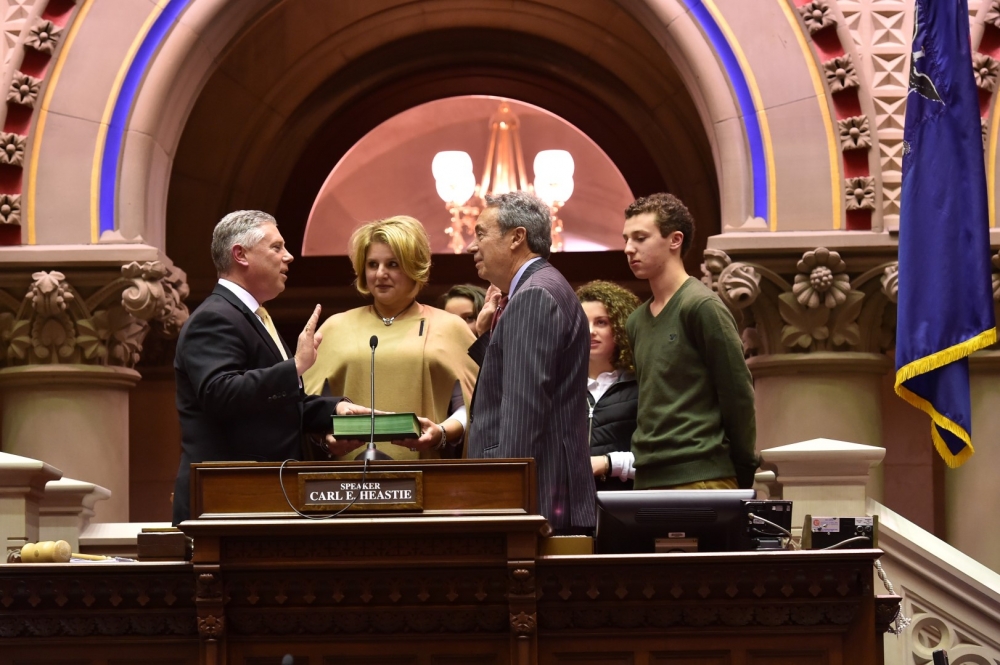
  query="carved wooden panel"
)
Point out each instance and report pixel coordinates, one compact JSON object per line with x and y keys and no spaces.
{"x":786,"y":658}
{"x":591,"y":658}
{"x":375,"y":652}
{"x":690,"y":658}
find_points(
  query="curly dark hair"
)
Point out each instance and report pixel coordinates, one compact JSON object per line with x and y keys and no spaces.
{"x":671,"y":215}
{"x":620,"y":302}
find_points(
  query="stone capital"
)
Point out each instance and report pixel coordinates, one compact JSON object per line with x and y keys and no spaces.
{"x":799,"y":294}
{"x":86,"y":304}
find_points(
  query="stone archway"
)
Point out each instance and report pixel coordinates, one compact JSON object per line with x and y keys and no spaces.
{"x":255,"y":139}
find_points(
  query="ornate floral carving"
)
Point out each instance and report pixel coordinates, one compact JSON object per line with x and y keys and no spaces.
{"x":890,"y":281}
{"x":860,"y":193}
{"x":15,"y":337}
{"x":817,"y":16}
{"x":211,"y":627}
{"x":993,"y":14}
{"x":822,"y":279}
{"x":523,"y":623}
{"x":54,"y":323}
{"x":10,"y":208}
{"x":840,"y":73}
{"x":24,"y":89}
{"x":12,"y":148}
{"x":819,"y":307}
{"x":44,"y":37}
{"x":715,"y":261}
{"x":52,"y":333}
{"x":739,"y":285}
{"x":855,"y":133}
{"x":985,"y":70}
{"x":157,"y":293}
{"x":803,"y":326}
{"x":522,"y":582}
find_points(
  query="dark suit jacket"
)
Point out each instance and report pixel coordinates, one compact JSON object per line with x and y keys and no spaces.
{"x":531,"y":395}
{"x":237,"y":399}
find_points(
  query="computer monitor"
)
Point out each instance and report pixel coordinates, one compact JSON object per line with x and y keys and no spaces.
{"x":639,"y":520}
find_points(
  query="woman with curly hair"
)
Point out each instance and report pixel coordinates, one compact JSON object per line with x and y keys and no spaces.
{"x":613,"y":393}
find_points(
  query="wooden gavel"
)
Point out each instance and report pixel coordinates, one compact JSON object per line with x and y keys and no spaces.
{"x":53,"y":551}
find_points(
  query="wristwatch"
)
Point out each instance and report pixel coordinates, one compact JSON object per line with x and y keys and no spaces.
{"x":444,"y":437}
{"x":610,"y":465}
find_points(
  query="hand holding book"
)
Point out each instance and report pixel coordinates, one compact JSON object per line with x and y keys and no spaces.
{"x":429,"y":439}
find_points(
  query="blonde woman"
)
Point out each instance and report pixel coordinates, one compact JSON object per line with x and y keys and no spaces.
{"x":421,"y":362}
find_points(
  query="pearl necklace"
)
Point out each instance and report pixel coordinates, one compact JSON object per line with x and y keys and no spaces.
{"x":390,"y":320}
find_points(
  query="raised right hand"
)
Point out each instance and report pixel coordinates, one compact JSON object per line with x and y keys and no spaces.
{"x":308,"y":344}
{"x":485,"y":318}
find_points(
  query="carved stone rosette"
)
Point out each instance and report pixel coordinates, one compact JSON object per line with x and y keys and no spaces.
{"x":69,"y":319}
{"x":820,"y":306}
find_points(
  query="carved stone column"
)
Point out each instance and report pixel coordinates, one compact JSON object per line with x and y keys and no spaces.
{"x":815,"y":330}
{"x":66,"y":509}
{"x":22,"y":486}
{"x":69,"y":340}
{"x":76,"y":418}
{"x":972,"y":488}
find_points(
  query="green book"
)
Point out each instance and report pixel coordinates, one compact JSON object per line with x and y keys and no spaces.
{"x":388,"y":427}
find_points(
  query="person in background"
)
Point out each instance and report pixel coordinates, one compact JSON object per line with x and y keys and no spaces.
{"x":696,"y":421}
{"x":421,"y":364}
{"x":613,"y":393}
{"x":465,"y":301}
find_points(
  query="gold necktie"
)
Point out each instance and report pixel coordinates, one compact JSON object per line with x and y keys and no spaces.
{"x":272,"y":331}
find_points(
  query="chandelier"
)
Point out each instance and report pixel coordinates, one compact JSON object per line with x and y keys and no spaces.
{"x":504,"y":172}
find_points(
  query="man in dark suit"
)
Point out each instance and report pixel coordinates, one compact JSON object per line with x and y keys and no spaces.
{"x":239,"y":395}
{"x":531,"y":395}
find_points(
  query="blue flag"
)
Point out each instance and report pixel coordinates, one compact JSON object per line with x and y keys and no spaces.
{"x":945,"y":303}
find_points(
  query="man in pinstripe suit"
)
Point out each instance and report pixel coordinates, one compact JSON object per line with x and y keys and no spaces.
{"x":530,"y":398}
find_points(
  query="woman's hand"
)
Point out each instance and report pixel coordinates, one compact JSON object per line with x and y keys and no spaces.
{"x":485,"y":318}
{"x":429,"y":439}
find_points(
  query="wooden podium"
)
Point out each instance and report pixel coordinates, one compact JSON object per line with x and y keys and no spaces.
{"x":460,"y":580}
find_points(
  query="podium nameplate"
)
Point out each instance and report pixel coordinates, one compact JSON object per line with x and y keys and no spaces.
{"x":381,"y":490}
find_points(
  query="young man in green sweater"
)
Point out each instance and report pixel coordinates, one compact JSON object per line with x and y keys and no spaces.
{"x":696,"y":423}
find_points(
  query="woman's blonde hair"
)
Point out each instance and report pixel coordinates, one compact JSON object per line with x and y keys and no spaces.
{"x":408,"y":241}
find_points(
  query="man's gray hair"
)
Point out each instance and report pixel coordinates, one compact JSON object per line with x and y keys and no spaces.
{"x":516,"y":209}
{"x":242,"y":228}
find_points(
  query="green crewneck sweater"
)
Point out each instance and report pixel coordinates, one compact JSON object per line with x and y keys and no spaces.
{"x":696,"y":409}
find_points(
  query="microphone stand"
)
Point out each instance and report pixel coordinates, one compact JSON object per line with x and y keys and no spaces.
{"x":371,"y":452}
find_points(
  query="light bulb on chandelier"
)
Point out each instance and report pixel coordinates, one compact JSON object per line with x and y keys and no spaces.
{"x":504,"y":172}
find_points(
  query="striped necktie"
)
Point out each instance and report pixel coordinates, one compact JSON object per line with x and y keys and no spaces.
{"x":265,"y":318}
{"x":499,"y":311}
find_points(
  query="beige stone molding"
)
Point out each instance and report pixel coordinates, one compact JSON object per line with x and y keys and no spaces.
{"x":66,"y":509}
{"x":50,"y":377}
{"x":22,"y":488}
{"x":820,"y":362}
{"x":88,"y":305}
{"x":824,"y":476}
{"x":952,"y":599}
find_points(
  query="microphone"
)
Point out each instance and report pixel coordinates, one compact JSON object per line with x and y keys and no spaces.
{"x":287,"y":659}
{"x":371,"y":452}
